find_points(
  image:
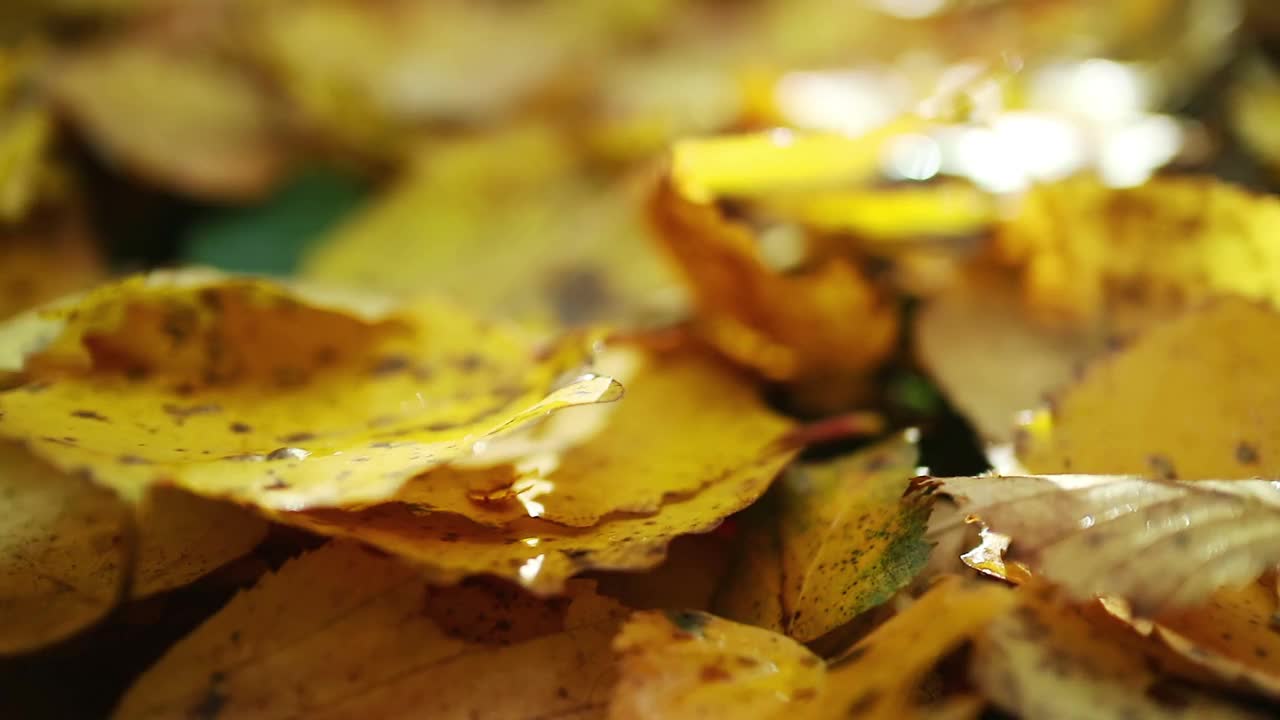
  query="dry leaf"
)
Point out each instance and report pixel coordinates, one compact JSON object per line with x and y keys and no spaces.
{"x":990,"y":354}
{"x":1153,"y":543}
{"x":687,"y":419}
{"x":243,"y":389}
{"x":1080,"y":244}
{"x":1045,"y":660}
{"x":821,"y":322}
{"x":541,"y":555}
{"x":537,"y":239}
{"x":69,"y":551}
{"x":688,"y":578}
{"x":342,"y":633}
{"x":852,"y":534}
{"x":686,"y":664}
{"x":1194,"y":398}
{"x":1233,"y":635}
{"x":176,"y":118}
{"x":878,"y":678}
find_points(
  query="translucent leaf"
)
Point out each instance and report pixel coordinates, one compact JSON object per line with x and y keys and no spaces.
{"x":270,"y":396}
{"x":1047,"y":660}
{"x":685,"y":664}
{"x":850,"y":534}
{"x":1193,"y":398}
{"x":1079,"y":244}
{"x":879,"y":677}
{"x":67,"y":548}
{"x":176,"y":118}
{"x":538,"y":239}
{"x":1232,"y":635}
{"x":827,"y":321}
{"x":1152,"y":543}
{"x":343,"y":633}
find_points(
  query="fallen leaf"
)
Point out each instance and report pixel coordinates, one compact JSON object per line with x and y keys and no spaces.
{"x":687,"y":420}
{"x":270,"y":396}
{"x":1047,"y":660}
{"x":1233,"y":635}
{"x":25,"y":137}
{"x":537,"y":240}
{"x":541,"y":555}
{"x":1153,"y":543}
{"x":878,"y":678}
{"x":687,"y":664}
{"x":175,"y":117}
{"x":752,"y":589}
{"x":990,"y":354}
{"x":826,"y":322}
{"x":1193,"y":398}
{"x":343,"y":633}
{"x":852,"y":534}
{"x":688,"y":578}
{"x":887,"y":219}
{"x":69,"y":551}
{"x":44,"y":258}
{"x":1079,"y":244}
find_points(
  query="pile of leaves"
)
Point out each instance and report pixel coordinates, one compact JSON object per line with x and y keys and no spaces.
{"x":650,"y":391}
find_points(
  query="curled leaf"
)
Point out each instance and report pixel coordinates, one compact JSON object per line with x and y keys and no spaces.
{"x":342,"y":633}
{"x":824,"y":321}
{"x":1192,"y":398}
{"x":1047,"y":660}
{"x":686,"y":664}
{"x":243,"y":389}
{"x":1153,"y":543}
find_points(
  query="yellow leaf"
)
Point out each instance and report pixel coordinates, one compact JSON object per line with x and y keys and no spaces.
{"x":1193,"y":398}
{"x":1233,"y":635}
{"x":992,"y":357}
{"x":686,"y":664}
{"x":827,"y":321}
{"x":1047,"y":660}
{"x":882,"y":218}
{"x":177,"y":119}
{"x":242,"y":389}
{"x":781,"y":160}
{"x":752,"y":589}
{"x":538,"y":239}
{"x":852,"y":534}
{"x":1080,"y":245}
{"x":66,"y":548}
{"x":1153,"y":543}
{"x":541,"y":555}
{"x":878,"y":678}
{"x":342,"y":633}
{"x":686,"y":419}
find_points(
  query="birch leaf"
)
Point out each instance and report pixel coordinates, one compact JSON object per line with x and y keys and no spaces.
{"x":686,"y":664}
{"x":342,"y":633}
{"x":243,"y":389}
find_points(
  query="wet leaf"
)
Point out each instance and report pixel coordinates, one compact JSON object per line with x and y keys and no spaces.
{"x":879,"y":677}
{"x":686,"y":421}
{"x":342,"y":633}
{"x":176,"y":118}
{"x":992,"y":357}
{"x":1194,"y":398}
{"x":541,"y":555}
{"x":537,"y":240}
{"x":686,"y":664}
{"x":852,"y":534}
{"x":69,"y":551}
{"x":1079,"y":244}
{"x":1233,"y":635}
{"x":1047,"y":660}
{"x":1153,"y":543}
{"x":827,"y":321}
{"x":271,"y":396}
